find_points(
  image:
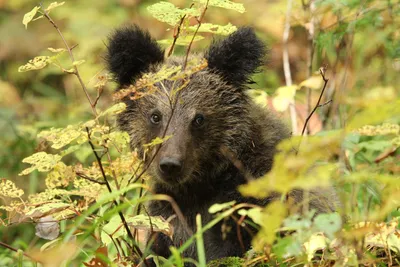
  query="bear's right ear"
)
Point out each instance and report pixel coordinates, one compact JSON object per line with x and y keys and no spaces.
{"x":131,"y":51}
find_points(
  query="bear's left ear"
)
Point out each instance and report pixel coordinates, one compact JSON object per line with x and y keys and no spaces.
{"x":237,"y":57}
{"x":131,"y":51}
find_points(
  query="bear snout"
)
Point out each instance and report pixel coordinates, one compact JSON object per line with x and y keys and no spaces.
{"x":170,"y":167}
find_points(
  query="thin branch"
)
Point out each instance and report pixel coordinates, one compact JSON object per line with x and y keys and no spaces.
{"x":83,"y":176}
{"x":17,"y":250}
{"x":195,"y":33}
{"x":176,"y":35}
{"x":322,"y":72}
{"x":71,"y":56}
{"x":135,"y":246}
{"x":286,"y":66}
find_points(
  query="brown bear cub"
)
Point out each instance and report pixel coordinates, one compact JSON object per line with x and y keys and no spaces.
{"x":212,"y":114}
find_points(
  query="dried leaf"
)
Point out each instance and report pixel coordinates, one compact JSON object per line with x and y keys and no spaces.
{"x":40,"y":161}
{"x":47,"y":228}
{"x":9,"y":189}
{"x":35,"y":64}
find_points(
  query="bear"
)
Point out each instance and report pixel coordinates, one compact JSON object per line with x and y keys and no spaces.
{"x":218,"y":136}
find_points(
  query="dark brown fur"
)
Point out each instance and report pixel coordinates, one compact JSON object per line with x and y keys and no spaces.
{"x":232,"y":122}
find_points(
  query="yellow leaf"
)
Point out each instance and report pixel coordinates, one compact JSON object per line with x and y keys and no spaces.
{"x":157,"y":141}
{"x":314,"y":82}
{"x":57,"y":50}
{"x":225,"y":4}
{"x":29,"y":16}
{"x":54,"y":5}
{"x":35,"y":64}
{"x":182,"y":40}
{"x":215,"y":29}
{"x":260,"y":97}
{"x":61,"y":137}
{"x":284,"y":96}
{"x":8,"y":189}
{"x":40,"y":161}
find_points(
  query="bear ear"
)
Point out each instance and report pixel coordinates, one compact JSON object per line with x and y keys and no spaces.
{"x":131,"y":51}
{"x":237,"y":57}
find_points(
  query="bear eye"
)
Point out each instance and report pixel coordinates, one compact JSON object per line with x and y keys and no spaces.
{"x":155,"y":118}
{"x":198,"y":120}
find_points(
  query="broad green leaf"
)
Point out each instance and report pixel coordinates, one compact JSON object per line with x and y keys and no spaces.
{"x":169,"y":13}
{"x":328,"y":223}
{"x":217,"y":207}
{"x":40,"y":161}
{"x":182,"y":40}
{"x":54,"y":5}
{"x":35,"y":64}
{"x":284,"y":96}
{"x":29,"y":16}
{"x":61,"y":137}
{"x":9,"y":189}
{"x":215,"y":29}
{"x":224,"y":4}
{"x":314,"y":82}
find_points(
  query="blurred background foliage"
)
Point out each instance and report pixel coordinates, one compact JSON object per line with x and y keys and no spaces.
{"x":358,"y":41}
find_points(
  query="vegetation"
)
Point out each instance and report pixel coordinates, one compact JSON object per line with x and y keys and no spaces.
{"x":72,"y":192}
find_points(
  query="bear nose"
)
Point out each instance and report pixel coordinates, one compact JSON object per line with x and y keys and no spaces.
{"x":170,"y":166}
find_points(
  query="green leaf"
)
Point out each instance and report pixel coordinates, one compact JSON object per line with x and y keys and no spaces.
{"x":224,"y":4}
{"x":29,"y":16}
{"x":254,"y":214}
{"x":215,"y":29}
{"x":35,"y":64}
{"x":219,"y":207}
{"x":78,"y":62}
{"x":169,"y":13}
{"x":40,"y":161}
{"x":328,"y":223}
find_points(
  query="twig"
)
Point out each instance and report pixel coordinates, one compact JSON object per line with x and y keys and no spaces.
{"x":195,"y":33}
{"x":322,"y":72}
{"x":83,"y":176}
{"x":135,"y":246}
{"x":16,"y":250}
{"x":176,"y":35}
{"x":286,"y":66}
{"x":71,"y":56}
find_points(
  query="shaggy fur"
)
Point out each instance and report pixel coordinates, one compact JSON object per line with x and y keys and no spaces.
{"x":200,"y":173}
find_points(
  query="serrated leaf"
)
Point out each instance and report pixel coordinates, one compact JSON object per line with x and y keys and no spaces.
{"x":61,"y":137}
{"x":169,"y":13}
{"x":182,"y":40}
{"x":9,"y":189}
{"x":56,"y":50}
{"x":29,"y":16}
{"x":314,"y":82}
{"x":54,"y":5}
{"x":215,"y":29}
{"x":40,"y":161}
{"x":220,"y":206}
{"x":224,"y":4}
{"x":35,"y":64}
